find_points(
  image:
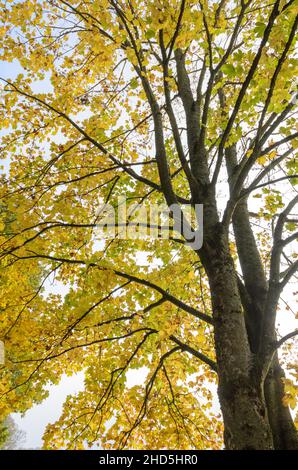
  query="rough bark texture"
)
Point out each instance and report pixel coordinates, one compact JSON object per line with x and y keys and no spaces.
{"x":240,"y":393}
{"x":282,"y":426}
{"x":253,"y":299}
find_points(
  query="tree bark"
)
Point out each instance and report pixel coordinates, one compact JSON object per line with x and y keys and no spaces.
{"x":240,"y":392}
{"x":282,"y":426}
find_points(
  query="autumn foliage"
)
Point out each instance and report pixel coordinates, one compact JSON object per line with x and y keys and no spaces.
{"x":160,"y":101}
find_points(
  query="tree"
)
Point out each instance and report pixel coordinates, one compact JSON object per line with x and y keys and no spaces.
{"x":10,"y":436}
{"x":177,"y":102}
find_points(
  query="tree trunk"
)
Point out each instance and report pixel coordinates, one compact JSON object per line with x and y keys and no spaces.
{"x":283,"y":428}
{"x":240,"y":393}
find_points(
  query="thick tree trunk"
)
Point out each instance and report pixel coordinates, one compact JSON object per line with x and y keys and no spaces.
{"x":282,"y":426}
{"x":246,"y":426}
{"x":241,"y":397}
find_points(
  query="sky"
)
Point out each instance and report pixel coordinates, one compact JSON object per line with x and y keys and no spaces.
{"x":35,"y":420}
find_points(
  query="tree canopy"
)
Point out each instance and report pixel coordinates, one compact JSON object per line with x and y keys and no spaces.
{"x":164,"y":101}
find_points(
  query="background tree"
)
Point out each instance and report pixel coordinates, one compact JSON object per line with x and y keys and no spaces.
{"x":11,"y":437}
{"x":161,"y":101}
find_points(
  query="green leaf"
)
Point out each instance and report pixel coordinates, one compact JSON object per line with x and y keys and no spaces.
{"x":134,"y":83}
{"x":260,"y":28}
{"x":229,"y":70}
{"x":150,"y":34}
